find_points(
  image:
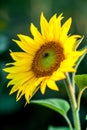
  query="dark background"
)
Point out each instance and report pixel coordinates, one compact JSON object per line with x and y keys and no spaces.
{"x":15,"y":18}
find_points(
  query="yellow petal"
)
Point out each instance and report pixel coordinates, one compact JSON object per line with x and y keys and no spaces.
{"x":52,"y":24}
{"x":28,"y":42}
{"x":55,"y":28}
{"x":19,"y":55}
{"x":26,"y":39}
{"x":27,"y":62}
{"x":20,"y":93}
{"x":20,"y":75}
{"x":43,"y":86}
{"x":44,"y":27}
{"x":15,"y":88}
{"x":19,"y":79}
{"x":38,"y":81}
{"x":30,"y":89}
{"x":52,"y":85}
{"x":58,"y":75}
{"x":17,"y":69}
{"x":74,"y":56}
{"x":68,"y":69}
{"x":37,"y":36}
{"x":68,"y":64}
{"x":25,"y":47}
{"x":69,"y":44}
{"x":52,"y":20}
{"x":65,"y":28}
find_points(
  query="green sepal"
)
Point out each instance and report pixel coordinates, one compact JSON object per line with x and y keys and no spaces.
{"x":78,"y":42}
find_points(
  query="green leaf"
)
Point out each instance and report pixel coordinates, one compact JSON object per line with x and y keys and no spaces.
{"x":81,"y":81}
{"x":86,"y":117}
{"x":58,"y":128}
{"x":58,"y":105}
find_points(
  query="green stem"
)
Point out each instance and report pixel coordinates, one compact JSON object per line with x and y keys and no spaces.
{"x":72,"y":98}
{"x":69,"y":123}
{"x":79,"y":97}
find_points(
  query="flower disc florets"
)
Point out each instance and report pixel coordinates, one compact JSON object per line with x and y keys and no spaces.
{"x":47,"y":59}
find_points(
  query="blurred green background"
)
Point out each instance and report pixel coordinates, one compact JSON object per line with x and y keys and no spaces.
{"x":15,"y":18}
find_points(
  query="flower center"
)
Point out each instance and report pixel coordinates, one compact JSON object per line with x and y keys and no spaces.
{"x":47,"y":59}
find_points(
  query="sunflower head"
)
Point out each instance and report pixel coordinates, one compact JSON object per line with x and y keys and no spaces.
{"x":45,"y":58}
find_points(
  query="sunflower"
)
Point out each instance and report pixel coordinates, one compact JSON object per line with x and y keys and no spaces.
{"x":45,"y":59}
